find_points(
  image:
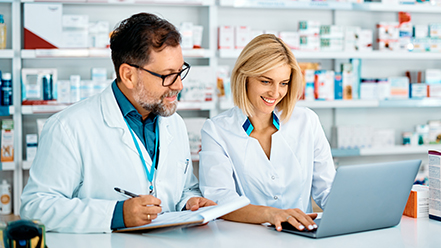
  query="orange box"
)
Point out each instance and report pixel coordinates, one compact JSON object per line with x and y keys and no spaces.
{"x":418,"y":203}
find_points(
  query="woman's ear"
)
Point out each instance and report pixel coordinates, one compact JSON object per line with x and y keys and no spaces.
{"x":128,"y":75}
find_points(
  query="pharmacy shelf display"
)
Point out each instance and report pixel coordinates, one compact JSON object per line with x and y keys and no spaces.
{"x":202,"y":12}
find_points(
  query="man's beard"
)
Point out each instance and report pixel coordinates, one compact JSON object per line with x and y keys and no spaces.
{"x":156,"y":106}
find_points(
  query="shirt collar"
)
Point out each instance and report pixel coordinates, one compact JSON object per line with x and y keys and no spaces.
{"x":248,"y":127}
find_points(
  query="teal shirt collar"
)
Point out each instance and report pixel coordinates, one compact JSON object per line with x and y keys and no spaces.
{"x":248,"y":127}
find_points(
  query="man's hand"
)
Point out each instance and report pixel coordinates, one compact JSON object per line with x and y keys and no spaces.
{"x":141,"y":210}
{"x":195,"y":203}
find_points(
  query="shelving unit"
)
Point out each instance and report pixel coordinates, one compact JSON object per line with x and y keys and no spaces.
{"x":211,"y":14}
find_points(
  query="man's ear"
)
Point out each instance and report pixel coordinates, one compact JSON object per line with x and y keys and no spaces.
{"x":128,"y":75}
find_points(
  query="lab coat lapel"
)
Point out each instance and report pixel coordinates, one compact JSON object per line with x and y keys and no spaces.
{"x":113,"y":118}
{"x":165,"y":139}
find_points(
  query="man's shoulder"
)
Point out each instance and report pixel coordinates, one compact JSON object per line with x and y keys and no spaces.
{"x":82,"y":110}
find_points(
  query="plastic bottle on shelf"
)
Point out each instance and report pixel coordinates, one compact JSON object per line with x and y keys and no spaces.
{"x":5,"y":198}
{"x":6,"y":89}
{"x":2,"y":33}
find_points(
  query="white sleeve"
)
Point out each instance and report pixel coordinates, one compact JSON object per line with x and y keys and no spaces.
{"x":217,"y":177}
{"x":55,"y":177}
{"x":324,"y":170}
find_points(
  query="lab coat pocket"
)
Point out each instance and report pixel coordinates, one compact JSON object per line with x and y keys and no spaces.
{"x":182,"y":169}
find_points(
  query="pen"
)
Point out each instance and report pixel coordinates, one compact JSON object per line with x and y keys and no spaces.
{"x":128,"y":193}
{"x":186,"y":165}
{"x":125,"y":192}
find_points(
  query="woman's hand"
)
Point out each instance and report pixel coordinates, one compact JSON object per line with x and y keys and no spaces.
{"x":296,"y":217}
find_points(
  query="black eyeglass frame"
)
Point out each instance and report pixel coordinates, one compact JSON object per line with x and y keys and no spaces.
{"x":186,"y":67}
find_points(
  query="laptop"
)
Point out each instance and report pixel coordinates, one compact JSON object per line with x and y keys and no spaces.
{"x":364,"y":197}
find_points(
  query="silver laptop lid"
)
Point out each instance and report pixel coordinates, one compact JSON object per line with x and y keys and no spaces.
{"x":366,"y":197}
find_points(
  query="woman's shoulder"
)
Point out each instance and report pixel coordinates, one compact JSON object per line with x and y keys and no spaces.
{"x":303,"y":114}
{"x":228,"y":120}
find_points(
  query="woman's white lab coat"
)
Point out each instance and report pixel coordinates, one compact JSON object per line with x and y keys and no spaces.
{"x":86,"y":151}
{"x":300,"y":164}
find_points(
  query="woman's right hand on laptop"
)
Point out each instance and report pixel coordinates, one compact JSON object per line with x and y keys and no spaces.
{"x":296,"y":217}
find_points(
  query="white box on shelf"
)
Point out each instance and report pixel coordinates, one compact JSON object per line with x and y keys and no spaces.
{"x":383,"y":137}
{"x":309,"y":28}
{"x":63,"y":91}
{"x":31,"y":146}
{"x":420,"y":31}
{"x":199,"y":85}
{"x":332,"y":31}
{"x":75,"y":21}
{"x":75,"y":39}
{"x":418,"y":90}
{"x":399,"y":87}
{"x":186,"y":30}
{"x":435,"y":45}
{"x":292,"y":39}
{"x":242,"y":35}
{"x":32,"y":82}
{"x":197,"y":36}
{"x":226,"y":38}
{"x":434,"y":90}
{"x":433,"y":76}
{"x":331,"y":44}
{"x":368,"y":91}
{"x":42,"y":25}
{"x":435,"y":30}
{"x":364,"y":40}
{"x":309,"y":43}
{"x":99,"y":34}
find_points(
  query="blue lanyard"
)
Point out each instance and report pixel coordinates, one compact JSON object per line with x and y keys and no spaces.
{"x":151,"y":173}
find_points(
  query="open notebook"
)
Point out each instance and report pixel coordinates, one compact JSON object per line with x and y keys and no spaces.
{"x":189,"y":218}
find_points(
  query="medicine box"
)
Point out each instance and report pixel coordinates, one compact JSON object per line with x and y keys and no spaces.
{"x":31,"y":146}
{"x":186,"y":30}
{"x":435,"y":185}
{"x":435,"y":30}
{"x":42,"y":25}
{"x":242,"y":36}
{"x":399,"y":87}
{"x":226,"y":38}
{"x":418,"y":90}
{"x":32,"y":82}
{"x":332,"y":31}
{"x":418,"y":203}
{"x":309,"y":43}
{"x":292,"y":39}
{"x":309,"y":28}
{"x":7,"y":141}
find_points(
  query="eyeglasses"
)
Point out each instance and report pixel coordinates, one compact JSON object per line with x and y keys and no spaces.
{"x":169,"y":79}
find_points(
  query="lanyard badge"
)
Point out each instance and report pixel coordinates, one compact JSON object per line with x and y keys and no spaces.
{"x":151,"y":173}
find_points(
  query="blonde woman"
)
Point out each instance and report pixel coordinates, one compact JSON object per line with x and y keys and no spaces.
{"x":266,"y":148}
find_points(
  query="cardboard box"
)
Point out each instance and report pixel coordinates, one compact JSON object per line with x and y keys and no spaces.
{"x":226,"y":38}
{"x":42,"y":25}
{"x":242,"y":35}
{"x":292,"y":39}
{"x":418,"y":203}
{"x":435,"y":185}
{"x":7,"y":141}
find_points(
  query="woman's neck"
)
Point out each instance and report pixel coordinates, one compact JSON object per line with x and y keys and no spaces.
{"x":261,"y":121}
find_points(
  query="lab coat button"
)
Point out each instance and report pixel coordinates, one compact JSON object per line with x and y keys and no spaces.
{"x":275,"y":197}
{"x":273,"y":177}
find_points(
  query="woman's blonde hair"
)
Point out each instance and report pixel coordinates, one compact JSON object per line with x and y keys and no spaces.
{"x":262,"y":54}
